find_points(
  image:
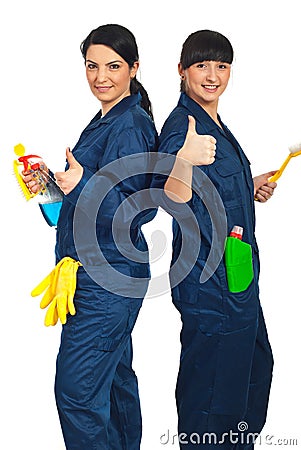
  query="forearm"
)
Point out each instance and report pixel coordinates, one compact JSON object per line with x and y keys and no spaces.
{"x":178,"y":184}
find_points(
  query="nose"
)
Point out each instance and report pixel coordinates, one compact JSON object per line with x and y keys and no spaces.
{"x":101,"y":75}
{"x":211,"y":73}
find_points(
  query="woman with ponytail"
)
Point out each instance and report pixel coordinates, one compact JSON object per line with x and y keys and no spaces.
{"x":96,"y":388}
{"x":124,"y":44}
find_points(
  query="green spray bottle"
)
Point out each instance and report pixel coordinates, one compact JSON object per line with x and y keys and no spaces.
{"x":239,"y":261}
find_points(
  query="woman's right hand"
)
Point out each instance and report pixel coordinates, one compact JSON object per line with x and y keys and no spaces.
{"x":198,"y":149}
{"x":31,"y":180}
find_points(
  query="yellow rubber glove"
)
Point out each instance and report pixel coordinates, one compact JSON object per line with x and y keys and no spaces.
{"x":60,"y":285}
{"x":51,"y":316}
{"x":49,"y":283}
{"x":65,"y":289}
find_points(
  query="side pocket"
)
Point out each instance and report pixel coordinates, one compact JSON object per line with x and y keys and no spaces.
{"x":239,"y":264}
{"x":120,"y":322}
{"x":186,"y":292}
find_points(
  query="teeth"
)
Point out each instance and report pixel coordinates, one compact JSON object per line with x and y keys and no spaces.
{"x":210,"y":87}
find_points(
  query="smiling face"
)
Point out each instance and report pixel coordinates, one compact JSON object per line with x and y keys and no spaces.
{"x":206,"y":81}
{"x":108,"y":75}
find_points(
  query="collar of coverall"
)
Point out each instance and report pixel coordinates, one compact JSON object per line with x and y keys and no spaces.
{"x":116,"y":111}
{"x":199,"y":113}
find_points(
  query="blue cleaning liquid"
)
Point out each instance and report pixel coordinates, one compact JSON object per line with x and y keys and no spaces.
{"x":51,"y":212}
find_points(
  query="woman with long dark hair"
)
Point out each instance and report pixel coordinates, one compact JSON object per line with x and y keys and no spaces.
{"x":100,"y":227}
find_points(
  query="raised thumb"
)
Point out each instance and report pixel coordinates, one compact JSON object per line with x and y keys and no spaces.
{"x":191,"y":124}
{"x":70,"y":158}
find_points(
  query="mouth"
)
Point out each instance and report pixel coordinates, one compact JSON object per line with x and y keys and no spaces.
{"x":210,"y":87}
{"x":102,"y":89}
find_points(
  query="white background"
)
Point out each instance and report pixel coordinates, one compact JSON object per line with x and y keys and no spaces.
{"x":45,"y":103}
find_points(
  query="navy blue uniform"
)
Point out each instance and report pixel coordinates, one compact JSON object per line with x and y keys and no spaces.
{"x":226,"y":361}
{"x":96,"y":387}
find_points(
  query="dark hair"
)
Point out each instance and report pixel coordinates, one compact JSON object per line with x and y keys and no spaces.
{"x":123,"y":42}
{"x":205,"y":45}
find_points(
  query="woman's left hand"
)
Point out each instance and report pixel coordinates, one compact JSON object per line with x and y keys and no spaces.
{"x":263,"y":189}
{"x":69,"y":179}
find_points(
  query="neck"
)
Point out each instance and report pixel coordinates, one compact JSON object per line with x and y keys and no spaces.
{"x":211,"y":110}
{"x":209,"y":106}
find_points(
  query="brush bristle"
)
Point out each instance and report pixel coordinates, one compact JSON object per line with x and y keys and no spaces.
{"x":26,"y":192}
{"x":295,"y":148}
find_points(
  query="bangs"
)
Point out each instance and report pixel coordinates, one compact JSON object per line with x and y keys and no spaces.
{"x":206,"y":45}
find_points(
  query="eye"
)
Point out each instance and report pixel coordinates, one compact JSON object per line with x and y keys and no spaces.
{"x":114,"y":66}
{"x":91,"y":66}
{"x":201,"y":65}
{"x":223,"y":66}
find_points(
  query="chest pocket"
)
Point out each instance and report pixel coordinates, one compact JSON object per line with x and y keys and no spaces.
{"x":89,"y":156}
{"x":228,"y":177}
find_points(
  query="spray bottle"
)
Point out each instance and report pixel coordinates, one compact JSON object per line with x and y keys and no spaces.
{"x":50,"y":196}
{"x":238,"y":260}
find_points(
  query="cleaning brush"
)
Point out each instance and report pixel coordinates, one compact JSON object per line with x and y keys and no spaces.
{"x":295,"y":150}
{"x":28,"y":163}
{"x":19,"y":166}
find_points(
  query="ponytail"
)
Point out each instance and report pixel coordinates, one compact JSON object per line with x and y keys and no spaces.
{"x":145,"y":103}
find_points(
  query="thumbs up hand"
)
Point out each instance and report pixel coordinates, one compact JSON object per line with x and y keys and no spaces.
{"x":69,"y":179}
{"x":198,"y":149}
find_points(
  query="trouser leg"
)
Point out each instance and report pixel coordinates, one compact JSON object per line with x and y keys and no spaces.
{"x":260,"y":384}
{"x":83,"y":397}
{"x":221,"y":376}
{"x":125,"y":423}
{"x":94,"y":342}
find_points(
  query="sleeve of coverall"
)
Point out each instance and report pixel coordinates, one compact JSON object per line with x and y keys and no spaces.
{"x":124,"y":181}
{"x":170,"y":144}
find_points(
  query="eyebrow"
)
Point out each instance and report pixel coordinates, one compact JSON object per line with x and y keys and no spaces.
{"x":107,"y":64}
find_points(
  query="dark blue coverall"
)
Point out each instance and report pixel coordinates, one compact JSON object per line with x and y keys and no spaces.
{"x":226,"y":360}
{"x":96,"y":388}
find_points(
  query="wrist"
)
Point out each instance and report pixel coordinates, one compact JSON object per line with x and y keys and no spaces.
{"x":182,"y":159}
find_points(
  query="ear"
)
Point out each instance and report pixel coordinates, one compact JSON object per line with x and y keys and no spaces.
{"x":180,"y":70}
{"x":134,"y":69}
